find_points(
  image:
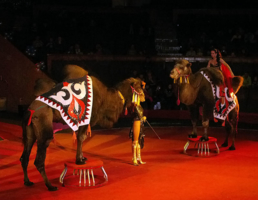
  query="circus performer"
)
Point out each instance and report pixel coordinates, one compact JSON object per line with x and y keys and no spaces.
{"x":136,"y":132}
{"x":218,"y":62}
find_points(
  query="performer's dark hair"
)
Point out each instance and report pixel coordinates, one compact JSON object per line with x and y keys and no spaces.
{"x":218,"y":55}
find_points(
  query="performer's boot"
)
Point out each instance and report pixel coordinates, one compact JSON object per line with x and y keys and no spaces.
{"x":134,"y":150}
{"x":139,"y":159}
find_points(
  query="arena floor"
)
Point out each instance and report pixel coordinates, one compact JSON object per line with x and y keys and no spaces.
{"x":168,"y":173}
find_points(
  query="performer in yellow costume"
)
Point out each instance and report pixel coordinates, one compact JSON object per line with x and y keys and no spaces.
{"x":136,"y":132}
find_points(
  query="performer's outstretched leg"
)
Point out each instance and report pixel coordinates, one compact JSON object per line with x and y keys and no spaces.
{"x":139,"y":159}
{"x":136,"y":147}
{"x":134,"y":150}
{"x":136,"y":133}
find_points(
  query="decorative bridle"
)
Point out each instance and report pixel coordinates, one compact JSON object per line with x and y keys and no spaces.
{"x":181,"y":80}
{"x":186,"y":81}
{"x":135,"y":97}
{"x":181,"y":77}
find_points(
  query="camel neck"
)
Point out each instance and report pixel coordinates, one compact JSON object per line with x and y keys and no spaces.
{"x":195,"y":80}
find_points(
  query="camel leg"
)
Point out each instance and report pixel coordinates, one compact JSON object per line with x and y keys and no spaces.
{"x":233,"y":121}
{"x":80,"y":160}
{"x":194,"y":112}
{"x":234,"y":132}
{"x":205,"y":125}
{"x":43,"y":126}
{"x":228,"y":131}
{"x":207,"y":112}
{"x":40,"y":162}
{"x":29,"y":139}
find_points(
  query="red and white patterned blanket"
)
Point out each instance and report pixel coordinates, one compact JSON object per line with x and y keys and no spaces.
{"x":73,"y":99}
{"x":219,"y":111}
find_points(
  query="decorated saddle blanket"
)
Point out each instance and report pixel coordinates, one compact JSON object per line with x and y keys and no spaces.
{"x":73,"y":99}
{"x":221,"y":111}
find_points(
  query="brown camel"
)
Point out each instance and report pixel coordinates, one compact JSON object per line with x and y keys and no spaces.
{"x":198,"y":92}
{"x":108,"y":104}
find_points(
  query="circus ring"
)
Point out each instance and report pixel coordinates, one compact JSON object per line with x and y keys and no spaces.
{"x":167,"y":174}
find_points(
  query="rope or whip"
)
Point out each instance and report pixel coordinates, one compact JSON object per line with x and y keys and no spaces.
{"x":152,"y":129}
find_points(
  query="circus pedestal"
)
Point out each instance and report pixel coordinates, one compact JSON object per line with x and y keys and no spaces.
{"x":83,"y":175}
{"x":203,"y":148}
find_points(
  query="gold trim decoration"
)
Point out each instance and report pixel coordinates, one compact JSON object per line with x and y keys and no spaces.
{"x":121,"y":96}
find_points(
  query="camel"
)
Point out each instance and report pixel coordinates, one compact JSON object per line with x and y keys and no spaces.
{"x":197,"y":91}
{"x":108,"y":104}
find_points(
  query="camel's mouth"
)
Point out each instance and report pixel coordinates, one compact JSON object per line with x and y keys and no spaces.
{"x":174,"y":75}
{"x":142,"y":98}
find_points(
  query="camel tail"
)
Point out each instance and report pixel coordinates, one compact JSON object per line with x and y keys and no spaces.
{"x":25,"y":122}
{"x":237,"y":82}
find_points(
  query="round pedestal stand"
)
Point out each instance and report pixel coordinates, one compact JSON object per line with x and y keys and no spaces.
{"x":203,"y":148}
{"x":83,"y":175}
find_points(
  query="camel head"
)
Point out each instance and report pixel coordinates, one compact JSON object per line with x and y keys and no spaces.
{"x":181,"y":68}
{"x":131,"y":86}
{"x":139,"y":85}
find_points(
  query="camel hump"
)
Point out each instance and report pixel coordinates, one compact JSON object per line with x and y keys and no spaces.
{"x":43,"y":85}
{"x":73,"y":72}
{"x":214,"y":74}
{"x":237,"y":82}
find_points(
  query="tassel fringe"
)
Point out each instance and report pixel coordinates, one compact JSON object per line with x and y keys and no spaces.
{"x":74,"y":137}
{"x":89,"y":130}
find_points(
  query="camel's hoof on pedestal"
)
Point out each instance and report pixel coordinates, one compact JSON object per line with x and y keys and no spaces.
{"x":80,"y":162}
{"x":204,"y":139}
{"x":192,"y":136}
